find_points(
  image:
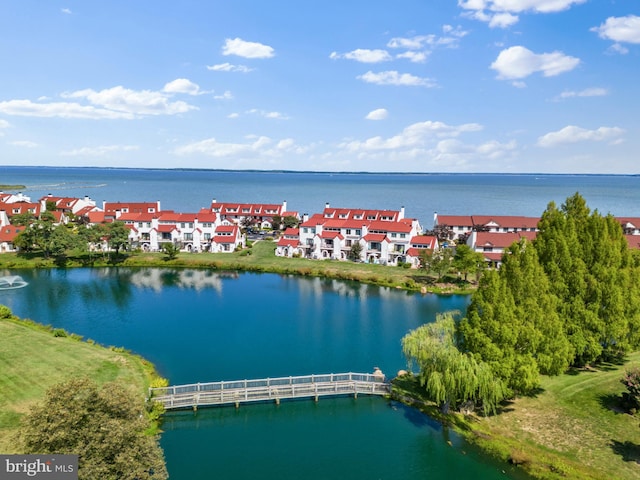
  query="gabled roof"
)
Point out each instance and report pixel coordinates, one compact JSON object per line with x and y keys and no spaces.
{"x":506,"y":221}
{"x":401,"y":227}
{"x":423,"y":241}
{"x":288,"y":242}
{"x":360,"y":214}
{"x":415,"y":252}
{"x":96,"y":217}
{"x":227,"y":229}
{"x":9,"y":232}
{"x":633,"y":241}
{"x":375,"y":237}
{"x":132,"y":207}
{"x":166,"y":228}
{"x":330,"y":235}
{"x":206,"y":217}
{"x":455,"y":220}
{"x":501,"y":240}
{"x":292,"y":232}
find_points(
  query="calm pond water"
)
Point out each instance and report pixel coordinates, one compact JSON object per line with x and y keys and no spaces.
{"x":196,"y":325}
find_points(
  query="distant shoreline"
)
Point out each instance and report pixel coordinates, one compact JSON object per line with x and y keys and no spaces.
{"x":319,"y":172}
{"x":12,"y":187}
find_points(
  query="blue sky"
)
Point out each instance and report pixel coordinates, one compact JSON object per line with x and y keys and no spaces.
{"x":405,"y":86}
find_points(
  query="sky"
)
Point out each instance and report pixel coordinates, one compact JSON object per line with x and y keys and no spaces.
{"x":505,"y":86}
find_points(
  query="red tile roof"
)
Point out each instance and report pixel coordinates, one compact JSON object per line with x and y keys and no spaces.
{"x":375,"y":237}
{"x":633,"y":241}
{"x":502,"y":240}
{"x":9,"y":232}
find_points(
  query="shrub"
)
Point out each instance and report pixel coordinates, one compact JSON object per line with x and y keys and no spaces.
{"x":59,"y":332}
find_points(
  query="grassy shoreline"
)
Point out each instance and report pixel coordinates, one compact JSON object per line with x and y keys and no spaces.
{"x":34,"y":357}
{"x":572,"y":429}
{"x":259,"y":258}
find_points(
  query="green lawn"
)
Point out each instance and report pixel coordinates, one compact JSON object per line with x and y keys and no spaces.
{"x":32,"y":360}
{"x":573,"y":429}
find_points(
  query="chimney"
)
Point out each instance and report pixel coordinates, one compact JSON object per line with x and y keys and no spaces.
{"x":305,"y":218}
{"x":326,"y":205}
{"x":284,"y":206}
{"x":401,"y":216}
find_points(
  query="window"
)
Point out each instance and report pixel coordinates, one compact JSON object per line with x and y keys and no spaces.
{"x":358,"y":232}
{"x":148,"y":224}
{"x":188,"y":236}
{"x":403,"y":235}
{"x":207,"y":236}
{"x":182,"y":225}
{"x":393,"y":235}
{"x":190,"y":224}
{"x":348,"y":231}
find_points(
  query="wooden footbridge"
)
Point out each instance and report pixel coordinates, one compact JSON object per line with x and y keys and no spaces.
{"x":270,"y":389}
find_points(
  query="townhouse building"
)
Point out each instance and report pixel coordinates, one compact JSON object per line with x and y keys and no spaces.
{"x":384,"y":236}
{"x":260,"y":215}
{"x":463,"y":225}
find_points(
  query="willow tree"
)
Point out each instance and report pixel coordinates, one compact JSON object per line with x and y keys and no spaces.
{"x":450,"y":378}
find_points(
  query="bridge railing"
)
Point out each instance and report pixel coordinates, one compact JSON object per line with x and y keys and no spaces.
{"x":267,"y":382}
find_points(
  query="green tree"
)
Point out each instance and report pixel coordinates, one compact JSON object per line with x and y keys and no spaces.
{"x":171,"y":250}
{"x":62,"y":240}
{"x":441,"y":261}
{"x":276,"y":222}
{"x":450,"y":377}
{"x":117,"y":235}
{"x":104,"y":425}
{"x":355,"y":253}
{"x":467,"y":261}
{"x":590,"y":269}
{"x":23,"y":219}
{"x":289,"y":221}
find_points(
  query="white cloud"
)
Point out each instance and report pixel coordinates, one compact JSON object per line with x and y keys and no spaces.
{"x":24,"y":144}
{"x":452,"y":150}
{"x":502,"y":20}
{"x":415,"y":135}
{"x":111,"y":103}
{"x":620,"y":29}
{"x":573,"y":134}
{"x":266,"y":114}
{"x":499,"y":13}
{"x":394,"y":78}
{"x":182,"y":85}
{"x":256,"y":146}
{"x":27,"y":108}
{"x":450,"y":38}
{"x":378,"y":114}
{"x":233,"y":115}
{"x":132,"y":102}
{"x":242,"y":48}
{"x":415,"y":57}
{"x":228,"y":67}
{"x":520,"y":62}
{"x":227,"y":95}
{"x":66,"y":11}
{"x":3,"y":124}
{"x":587,"y":92}
{"x":99,"y":151}
{"x":364,"y":55}
{"x":617,"y":48}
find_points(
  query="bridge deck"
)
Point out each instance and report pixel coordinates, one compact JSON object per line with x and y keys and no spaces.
{"x":269,"y":389}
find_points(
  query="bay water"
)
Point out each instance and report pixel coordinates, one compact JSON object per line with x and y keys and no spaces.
{"x":421,"y":194}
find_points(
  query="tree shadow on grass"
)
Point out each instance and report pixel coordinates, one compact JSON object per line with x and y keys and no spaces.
{"x":612,"y":402}
{"x":629,"y":451}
